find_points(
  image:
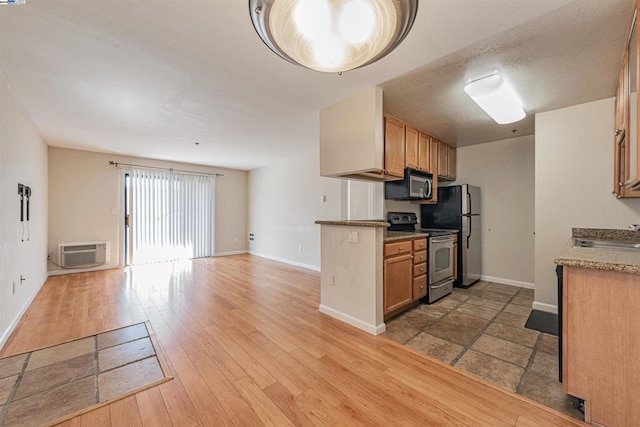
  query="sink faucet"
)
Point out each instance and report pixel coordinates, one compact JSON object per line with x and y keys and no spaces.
{"x":634,"y":227}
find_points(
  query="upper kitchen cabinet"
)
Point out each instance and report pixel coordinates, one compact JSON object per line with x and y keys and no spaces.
{"x":352,"y":140}
{"x":412,"y":147}
{"x":424,"y":152}
{"x":626,"y":181}
{"x":417,"y":154}
{"x":395,"y":147}
{"x":446,"y":161}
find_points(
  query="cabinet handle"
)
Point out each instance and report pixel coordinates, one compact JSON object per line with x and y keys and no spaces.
{"x":400,"y":248}
{"x":421,"y":270}
{"x":421,"y":286}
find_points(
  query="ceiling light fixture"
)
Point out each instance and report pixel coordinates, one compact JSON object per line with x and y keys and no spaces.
{"x":332,"y":35}
{"x":497,"y":98}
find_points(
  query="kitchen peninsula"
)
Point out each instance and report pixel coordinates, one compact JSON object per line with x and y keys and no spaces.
{"x":600,"y":317}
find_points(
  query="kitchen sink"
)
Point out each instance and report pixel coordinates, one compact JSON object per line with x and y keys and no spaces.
{"x":605,"y":244}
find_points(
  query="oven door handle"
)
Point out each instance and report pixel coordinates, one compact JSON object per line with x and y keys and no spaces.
{"x":443,"y":284}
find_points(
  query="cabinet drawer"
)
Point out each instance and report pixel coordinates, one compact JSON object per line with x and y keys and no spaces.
{"x":419,"y":269}
{"x":419,"y":257}
{"x":419,"y":244}
{"x":419,"y":286}
{"x":397,"y":248}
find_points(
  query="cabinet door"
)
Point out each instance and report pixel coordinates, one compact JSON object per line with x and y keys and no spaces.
{"x":424,"y":148}
{"x":398,"y":282}
{"x":420,"y":287}
{"x":452,"y":162}
{"x":443,"y":159}
{"x":411,"y":147}
{"x":394,"y":146}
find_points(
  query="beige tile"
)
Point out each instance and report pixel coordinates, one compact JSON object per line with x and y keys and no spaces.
{"x":503,"y":349}
{"x":432,"y":311}
{"x":119,"y":355}
{"x":50,"y":405}
{"x":526,"y":293}
{"x":50,"y":355}
{"x":502,"y":289}
{"x":486,"y":302}
{"x":477,"y":310}
{"x":459,"y":296}
{"x":6,"y":386}
{"x":525,"y":302}
{"x":10,"y":366}
{"x":545,"y":364}
{"x":549,"y":392}
{"x":122,"y":335}
{"x":522,"y":336}
{"x":518,"y":309}
{"x":51,"y":376}
{"x":548,"y":344}
{"x":480,"y":285}
{"x":491,"y":369}
{"x":446,"y":302}
{"x":435,"y":347}
{"x":129,"y":377}
{"x":494,"y":296}
{"x":407,"y":325}
{"x":511,"y":319}
{"x":458,"y":327}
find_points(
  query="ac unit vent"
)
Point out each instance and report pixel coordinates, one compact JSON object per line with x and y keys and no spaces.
{"x":74,"y":255}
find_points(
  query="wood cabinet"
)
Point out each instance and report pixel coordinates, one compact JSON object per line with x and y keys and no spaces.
{"x":412,"y":144}
{"x":394,"y":147}
{"x":424,"y":152}
{"x":626,"y":166}
{"x":601,"y":343}
{"x":455,"y":257}
{"x":452,"y":162}
{"x":446,"y":161}
{"x":405,"y":274}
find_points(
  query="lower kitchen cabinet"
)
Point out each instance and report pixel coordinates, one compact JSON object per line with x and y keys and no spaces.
{"x":405,"y":274}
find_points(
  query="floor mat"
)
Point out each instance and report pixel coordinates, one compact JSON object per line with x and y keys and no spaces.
{"x":543,"y":322}
{"x":50,"y":385}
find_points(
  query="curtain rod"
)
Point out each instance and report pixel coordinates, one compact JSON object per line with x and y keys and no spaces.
{"x":116,"y":164}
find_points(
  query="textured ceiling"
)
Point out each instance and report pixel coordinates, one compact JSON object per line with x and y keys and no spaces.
{"x":152,"y":77}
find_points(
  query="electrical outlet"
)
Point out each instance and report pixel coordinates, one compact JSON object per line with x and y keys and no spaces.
{"x":353,"y":237}
{"x":252,"y":237}
{"x":332,"y":280}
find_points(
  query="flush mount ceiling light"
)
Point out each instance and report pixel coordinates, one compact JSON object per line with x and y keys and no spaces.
{"x":497,"y":98}
{"x":332,"y":35}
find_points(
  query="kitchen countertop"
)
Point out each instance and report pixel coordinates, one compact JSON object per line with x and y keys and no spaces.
{"x":391,"y":236}
{"x":625,"y":261}
{"x":357,"y":223}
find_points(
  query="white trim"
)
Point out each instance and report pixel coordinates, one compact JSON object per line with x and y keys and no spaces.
{"x":372,"y":329}
{"x":508,"y":282}
{"x":287,"y":261}
{"x":231,"y":253}
{"x":545,"y":307}
{"x":62,"y":271}
{"x":16,"y":320}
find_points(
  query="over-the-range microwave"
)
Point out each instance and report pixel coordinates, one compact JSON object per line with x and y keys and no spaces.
{"x":416,"y":185}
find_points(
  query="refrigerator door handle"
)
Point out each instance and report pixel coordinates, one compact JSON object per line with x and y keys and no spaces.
{"x":469,"y":198}
{"x":469,"y":231}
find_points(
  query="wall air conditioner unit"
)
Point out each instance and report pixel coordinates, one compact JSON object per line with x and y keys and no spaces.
{"x":75,"y":255}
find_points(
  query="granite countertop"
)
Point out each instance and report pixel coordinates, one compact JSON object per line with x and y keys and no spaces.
{"x":622,"y":260}
{"x":391,"y":236}
{"x":357,"y":223}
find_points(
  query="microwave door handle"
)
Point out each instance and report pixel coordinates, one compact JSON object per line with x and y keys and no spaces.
{"x":429,"y":185}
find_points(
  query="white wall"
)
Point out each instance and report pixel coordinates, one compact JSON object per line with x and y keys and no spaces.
{"x":86,"y":200}
{"x":504,"y":171}
{"x":285,"y":200}
{"x":23,"y":159}
{"x":574,"y":178}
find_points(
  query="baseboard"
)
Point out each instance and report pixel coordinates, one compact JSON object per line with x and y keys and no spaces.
{"x":62,"y":271}
{"x":231,"y":253}
{"x":372,"y":329}
{"x":503,"y":281}
{"x":286,"y":261}
{"x":7,"y":333}
{"x":545,"y":307}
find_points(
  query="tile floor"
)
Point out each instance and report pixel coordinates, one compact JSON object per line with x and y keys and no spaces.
{"x":481,"y":330}
{"x":44,"y":385}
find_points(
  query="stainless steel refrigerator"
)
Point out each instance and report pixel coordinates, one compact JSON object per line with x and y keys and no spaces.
{"x":459,"y":208}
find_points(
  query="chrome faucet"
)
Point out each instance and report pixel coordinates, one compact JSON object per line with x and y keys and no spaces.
{"x":634,"y":227}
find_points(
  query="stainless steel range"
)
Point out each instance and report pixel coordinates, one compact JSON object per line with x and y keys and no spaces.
{"x":440,"y":259}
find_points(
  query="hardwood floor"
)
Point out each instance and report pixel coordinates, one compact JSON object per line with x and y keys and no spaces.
{"x":248,"y":346}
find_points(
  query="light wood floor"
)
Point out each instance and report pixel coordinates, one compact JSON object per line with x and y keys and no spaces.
{"x":247,"y":346}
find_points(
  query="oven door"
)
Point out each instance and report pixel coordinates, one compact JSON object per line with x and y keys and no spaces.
{"x":440,"y":258}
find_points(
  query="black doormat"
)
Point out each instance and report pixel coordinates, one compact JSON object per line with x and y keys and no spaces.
{"x":543,"y":322}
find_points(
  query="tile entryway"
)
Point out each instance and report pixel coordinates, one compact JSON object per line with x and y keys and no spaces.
{"x":45,"y":385}
{"x":481,"y":330}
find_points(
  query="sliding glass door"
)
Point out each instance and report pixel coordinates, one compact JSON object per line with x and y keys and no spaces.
{"x":169,"y":216}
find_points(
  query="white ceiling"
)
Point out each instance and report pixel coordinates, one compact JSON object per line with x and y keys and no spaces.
{"x":150,"y":78}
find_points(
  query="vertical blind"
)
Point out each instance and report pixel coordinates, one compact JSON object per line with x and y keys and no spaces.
{"x":172,"y":216}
